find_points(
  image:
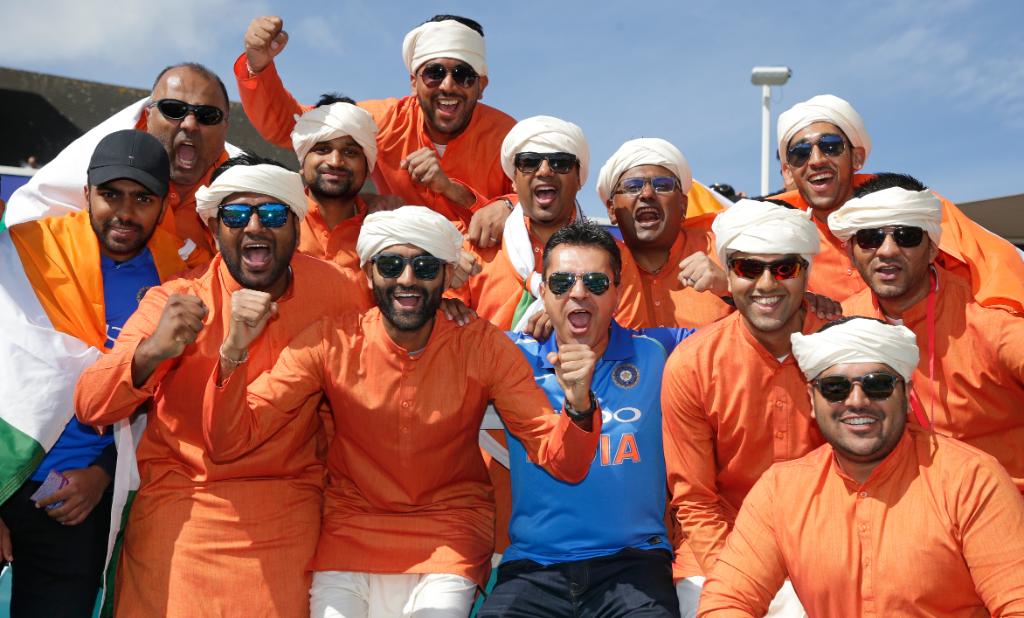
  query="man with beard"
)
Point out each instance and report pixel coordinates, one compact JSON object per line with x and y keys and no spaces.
{"x":887,"y":519}
{"x":81,"y":276}
{"x":408,"y":522}
{"x":822,"y":144}
{"x":208,"y":535}
{"x":598,"y":547}
{"x":970,"y":380}
{"x":188,"y":112}
{"x":668,"y":278}
{"x":438,"y":147}
{"x":733,"y":399}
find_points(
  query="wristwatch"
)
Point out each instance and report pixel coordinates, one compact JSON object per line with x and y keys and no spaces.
{"x":581,"y":415}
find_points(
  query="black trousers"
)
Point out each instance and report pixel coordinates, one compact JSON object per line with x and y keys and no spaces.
{"x":632,"y":582}
{"x":57,"y":569}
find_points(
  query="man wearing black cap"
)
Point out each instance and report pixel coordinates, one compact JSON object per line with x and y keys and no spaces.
{"x":88,"y":271}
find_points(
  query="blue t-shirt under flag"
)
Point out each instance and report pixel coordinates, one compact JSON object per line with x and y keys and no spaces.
{"x":124,"y":284}
{"x":621,"y":502}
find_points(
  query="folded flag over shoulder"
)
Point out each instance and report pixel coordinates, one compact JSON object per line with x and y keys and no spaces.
{"x":52,"y":327}
{"x":701,"y":200}
{"x":992,"y":264}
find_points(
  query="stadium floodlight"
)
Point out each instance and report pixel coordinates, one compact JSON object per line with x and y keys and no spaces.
{"x":766,"y":77}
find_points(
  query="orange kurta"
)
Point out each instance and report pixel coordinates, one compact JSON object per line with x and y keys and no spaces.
{"x":472,"y":158}
{"x":650,"y":300}
{"x":978,"y":381}
{"x":336,"y":245}
{"x":408,"y":491}
{"x":61,"y":258}
{"x":199,"y":530}
{"x":181,"y":218}
{"x":729,"y":411}
{"x":993,"y":266}
{"x":937,"y":530}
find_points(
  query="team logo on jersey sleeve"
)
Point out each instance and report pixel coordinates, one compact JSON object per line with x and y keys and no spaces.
{"x":626,"y":375}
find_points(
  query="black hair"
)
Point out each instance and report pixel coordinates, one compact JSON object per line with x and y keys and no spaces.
{"x":845,"y":319}
{"x":330,"y":98}
{"x":584,"y":233}
{"x":202,"y":70}
{"x":465,"y":21}
{"x":243,"y":159}
{"x":888,"y":180}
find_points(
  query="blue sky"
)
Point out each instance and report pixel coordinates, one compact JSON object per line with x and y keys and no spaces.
{"x":940,"y":84}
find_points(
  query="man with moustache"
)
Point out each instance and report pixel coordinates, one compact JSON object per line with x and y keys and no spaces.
{"x":887,"y":519}
{"x":438,"y":146}
{"x":733,"y":400}
{"x":408,"y":524}
{"x":598,"y":547}
{"x":823,"y":143}
{"x":970,"y":380}
{"x":668,"y":278}
{"x":188,"y":112}
{"x":201,"y":527}
{"x":83,"y":274}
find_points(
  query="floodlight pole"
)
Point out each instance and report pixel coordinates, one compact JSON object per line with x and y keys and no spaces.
{"x":766,"y":118}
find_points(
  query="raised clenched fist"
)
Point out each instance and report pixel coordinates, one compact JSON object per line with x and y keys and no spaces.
{"x":264,"y":39}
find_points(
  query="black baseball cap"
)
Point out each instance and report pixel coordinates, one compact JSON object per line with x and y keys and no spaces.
{"x":135,"y":155}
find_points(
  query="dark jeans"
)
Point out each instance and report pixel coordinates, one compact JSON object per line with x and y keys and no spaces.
{"x":57,"y":569}
{"x":632,"y":582}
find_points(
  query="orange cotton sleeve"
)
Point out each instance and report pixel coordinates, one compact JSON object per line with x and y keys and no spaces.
{"x":240,"y":416}
{"x":267,"y":103}
{"x":690,"y":459}
{"x":750,"y":570}
{"x":552,"y":441}
{"x":992,"y":536}
{"x":105,"y":392}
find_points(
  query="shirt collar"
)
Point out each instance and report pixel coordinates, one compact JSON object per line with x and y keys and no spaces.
{"x":620,"y":346}
{"x":142,"y":260}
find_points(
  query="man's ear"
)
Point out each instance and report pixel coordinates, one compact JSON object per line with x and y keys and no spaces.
{"x":163,"y":210}
{"x":933,"y":250}
{"x":787,"y":174}
{"x":611,"y":212}
{"x":369,"y":275}
{"x":810,"y":395}
{"x":412,"y":83}
{"x":858,"y":158}
{"x":483,"y":85}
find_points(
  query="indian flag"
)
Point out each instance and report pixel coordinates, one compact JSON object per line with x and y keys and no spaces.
{"x":42,"y":367}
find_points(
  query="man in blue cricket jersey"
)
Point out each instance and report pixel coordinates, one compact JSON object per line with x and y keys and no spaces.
{"x":100,"y":260}
{"x":598,"y":547}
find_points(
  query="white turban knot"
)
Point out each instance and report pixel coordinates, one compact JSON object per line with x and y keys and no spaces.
{"x":823,"y":108}
{"x":265,"y":179}
{"x":545,"y":134}
{"x":413,"y":225}
{"x":889,"y":207}
{"x":860,"y":340}
{"x":444,"y":39}
{"x":762,"y":227}
{"x":643,"y":151}
{"x":322,"y":124}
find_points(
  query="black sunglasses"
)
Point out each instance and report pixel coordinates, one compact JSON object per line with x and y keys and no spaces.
{"x":559,"y":282}
{"x":174,"y":109}
{"x":635,"y":186}
{"x":433,"y":75}
{"x":905,"y":236}
{"x":830,"y":144}
{"x":392,"y":265}
{"x":749,"y":268}
{"x":238,"y":215}
{"x":876,"y":386}
{"x":559,"y":162}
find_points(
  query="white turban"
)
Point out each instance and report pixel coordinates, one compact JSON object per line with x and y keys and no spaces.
{"x":322,"y":124}
{"x":762,"y":227}
{"x":823,"y":108}
{"x":444,"y":39}
{"x":860,"y":340}
{"x":643,"y":151}
{"x":413,"y":225}
{"x":545,"y":134}
{"x":892,"y":206}
{"x":265,"y":179}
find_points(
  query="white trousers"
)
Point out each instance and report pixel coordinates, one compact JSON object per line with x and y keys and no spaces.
{"x":344,"y":594}
{"x":784,"y":605}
